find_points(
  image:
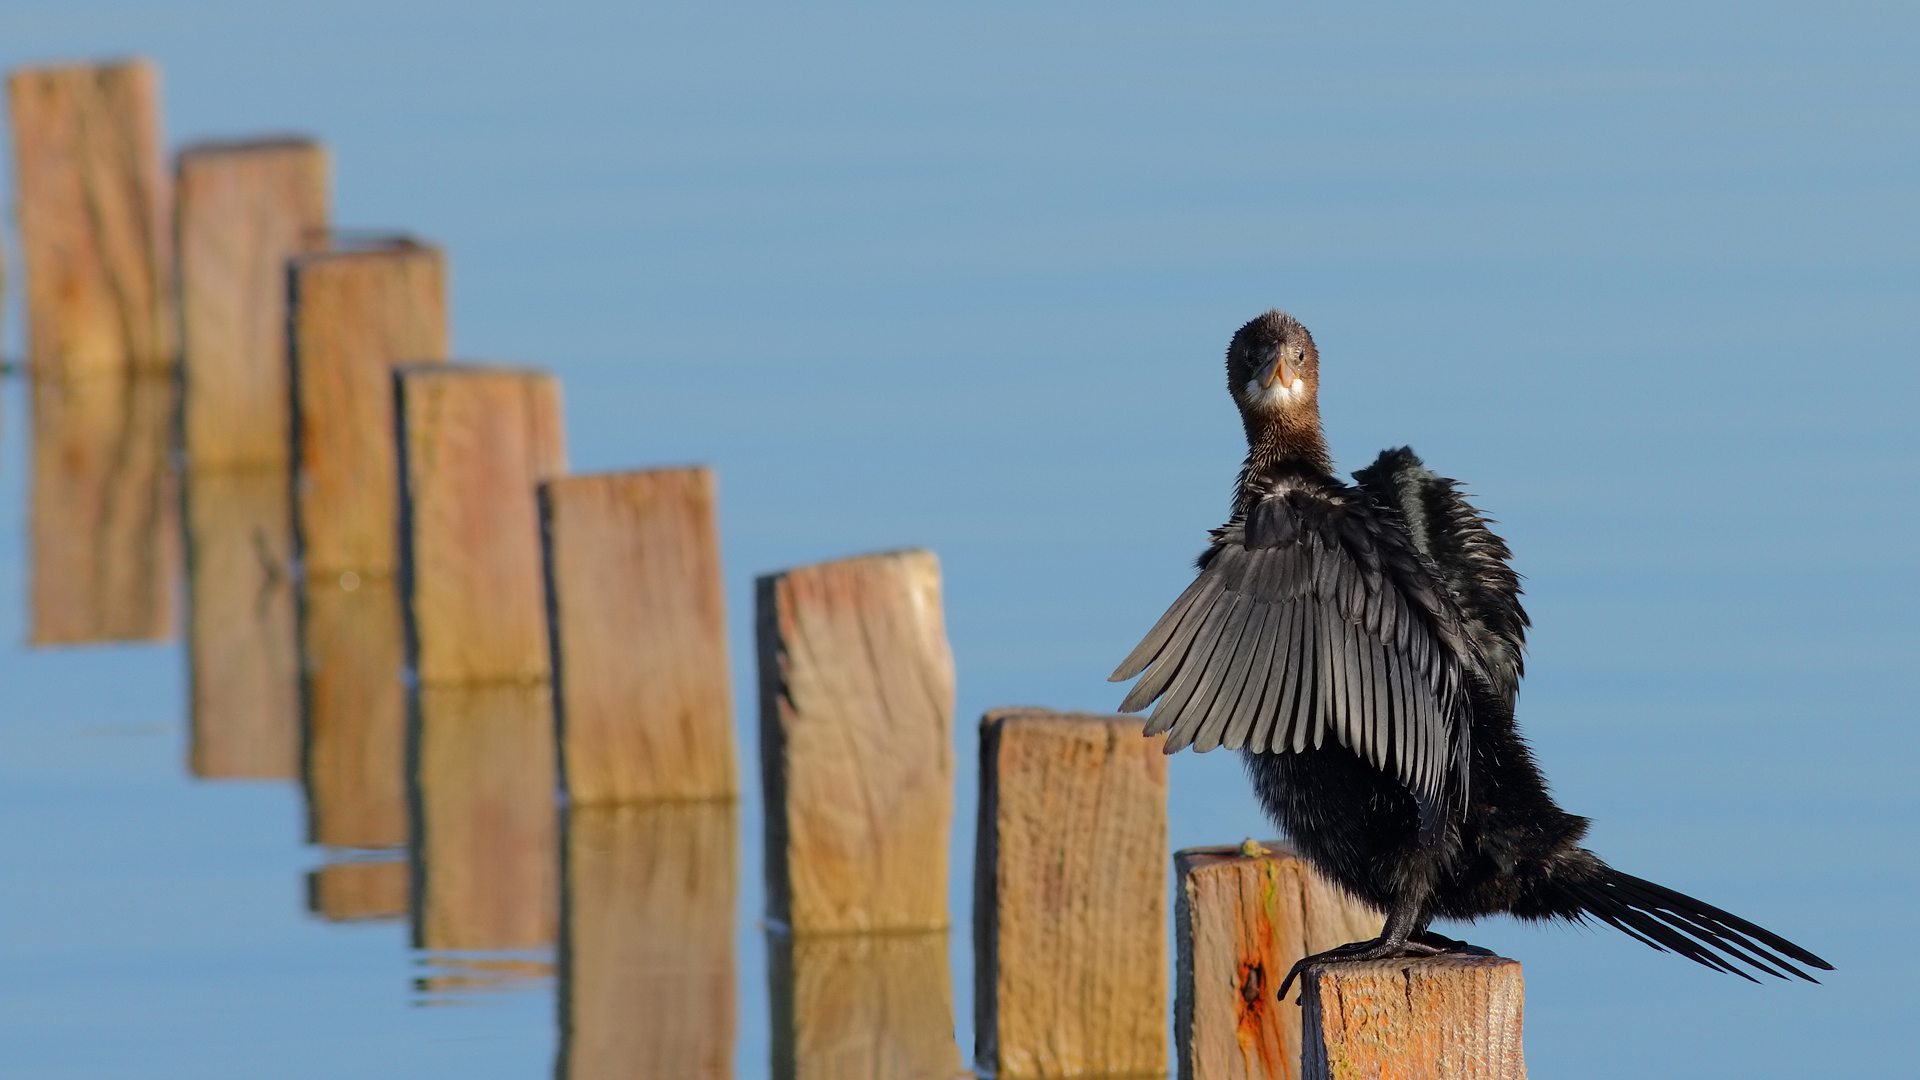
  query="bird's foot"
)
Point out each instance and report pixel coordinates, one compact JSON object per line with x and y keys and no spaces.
{"x":1422,"y":944}
{"x":1451,"y":945}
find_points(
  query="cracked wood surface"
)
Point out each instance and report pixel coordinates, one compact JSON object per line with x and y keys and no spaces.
{"x":856,"y":743}
{"x":476,"y":443}
{"x":241,"y":211}
{"x":355,"y":312}
{"x":1243,"y":916}
{"x":639,"y":636}
{"x":94,"y":229}
{"x":1441,"y":1018}
{"x":1070,"y":883}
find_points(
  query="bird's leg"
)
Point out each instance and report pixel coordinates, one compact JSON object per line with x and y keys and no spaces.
{"x":1399,"y":939}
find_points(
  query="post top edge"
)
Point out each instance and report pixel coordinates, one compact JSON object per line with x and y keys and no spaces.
{"x":243,"y":146}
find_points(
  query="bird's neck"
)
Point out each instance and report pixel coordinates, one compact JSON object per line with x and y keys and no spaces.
{"x":1288,"y":444}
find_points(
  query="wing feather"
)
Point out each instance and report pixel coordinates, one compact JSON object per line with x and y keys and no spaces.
{"x":1193,"y":670}
{"x":1204,"y":720}
{"x":1260,"y":636}
{"x":1313,"y":620}
{"x":1156,"y":639}
{"x":1169,"y":662}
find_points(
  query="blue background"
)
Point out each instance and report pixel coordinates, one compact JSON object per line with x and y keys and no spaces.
{"x":1643,"y":274}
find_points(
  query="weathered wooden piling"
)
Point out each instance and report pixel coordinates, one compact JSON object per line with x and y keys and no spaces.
{"x":1443,"y":1018}
{"x":360,"y":890}
{"x":1242,"y":917}
{"x":1070,"y":944}
{"x":486,"y":830}
{"x":639,"y":636}
{"x":104,"y":514}
{"x":354,"y":710}
{"x":243,"y":656}
{"x":354,"y":312}
{"x":241,"y":211}
{"x":94,"y":223}
{"x":475,"y":444}
{"x":856,"y":730}
{"x":873,"y":1006}
{"x":646,"y":953}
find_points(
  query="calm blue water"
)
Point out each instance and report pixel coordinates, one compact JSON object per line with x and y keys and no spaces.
{"x":1645,"y":275}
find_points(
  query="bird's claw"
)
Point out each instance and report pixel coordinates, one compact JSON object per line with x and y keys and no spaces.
{"x":1422,"y":944}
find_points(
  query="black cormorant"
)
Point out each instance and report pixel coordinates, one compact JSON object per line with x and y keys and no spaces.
{"x":1361,"y":645}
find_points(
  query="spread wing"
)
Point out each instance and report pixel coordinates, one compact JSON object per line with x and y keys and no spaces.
{"x":1313,"y":618}
{"x":1472,"y":562}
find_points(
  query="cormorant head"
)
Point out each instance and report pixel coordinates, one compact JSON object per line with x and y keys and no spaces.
{"x":1273,"y":370}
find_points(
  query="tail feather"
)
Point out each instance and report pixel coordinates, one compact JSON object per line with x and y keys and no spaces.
{"x":1675,"y":922}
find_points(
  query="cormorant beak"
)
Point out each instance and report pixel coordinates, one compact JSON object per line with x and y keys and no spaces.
{"x":1278,"y":371}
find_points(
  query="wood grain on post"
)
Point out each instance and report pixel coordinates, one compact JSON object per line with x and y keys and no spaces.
{"x":639,"y":636}
{"x":359,"y":891}
{"x":475,"y":444}
{"x":355,"y":313}
{"x":646,"y":956}
{"x":241,"y":211}
{"x":354,"y":705}
{"x":104,"y":510}
{"x":1070,"y":942}
{"x":92,"y":204}
{"x":1442,"y":1018}
{"x":862,"y":1007}
{"x":856,"y":734}
{"x":243,"y":656}
{"x":486,"y":842}
{"x":1242,"y":917}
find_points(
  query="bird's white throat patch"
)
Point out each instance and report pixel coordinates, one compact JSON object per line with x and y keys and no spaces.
{"x":1277,"y":396}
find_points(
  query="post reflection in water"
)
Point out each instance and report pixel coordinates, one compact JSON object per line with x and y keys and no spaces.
{"x":646,"y":961}
{"x":849,"y":1006}
{"x":486,"y":824}
{"x":104,"y":515}
{"x":355,"y":712}
{"x":359,"y":889}
{"x":243,"y":659}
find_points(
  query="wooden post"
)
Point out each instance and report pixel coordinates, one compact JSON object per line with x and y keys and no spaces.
{"x":486,"y":834}
{"x":646,"y":953}
{"x":475,"y":444}
{"x":354,"y":313}
{"x":354,"y":706}
{"x":244,"y":661}
{"x":1444,"y":1018}
{"x":241,"y":211}
{"x":639,"y":636}
{"x":862,"y":1007}
{"x":1070,"y":943}
{"x":361,"y":890}
{"x":105,"y":510}
{"x":1242,"y":917}
{"x":93,"y":218}
{"x":856,"y":743}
